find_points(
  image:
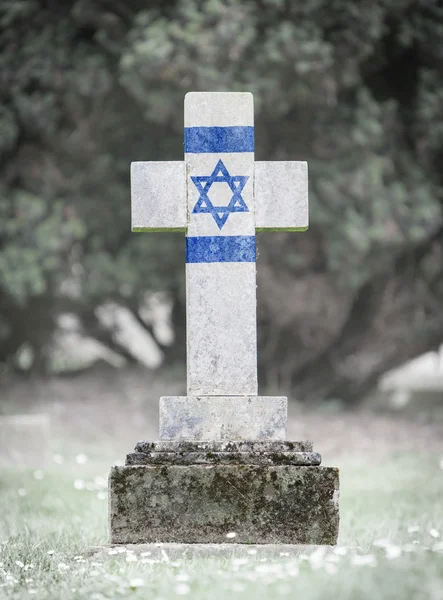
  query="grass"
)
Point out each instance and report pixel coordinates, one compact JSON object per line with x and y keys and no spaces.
{"x":51,"y":519}
{"x":391,"y":471}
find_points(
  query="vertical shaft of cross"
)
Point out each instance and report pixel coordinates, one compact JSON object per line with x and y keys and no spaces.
{"x":220,"y":245}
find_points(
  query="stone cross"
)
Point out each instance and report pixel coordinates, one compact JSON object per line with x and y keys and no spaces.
{"x":220,"y":197}
{"x":223,"y":464}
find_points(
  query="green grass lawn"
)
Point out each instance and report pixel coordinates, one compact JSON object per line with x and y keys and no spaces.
{"x":391,"y":507}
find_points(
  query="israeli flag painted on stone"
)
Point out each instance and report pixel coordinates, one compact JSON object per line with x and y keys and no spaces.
{"x":219,"y":151}
{"x":220,"y":243}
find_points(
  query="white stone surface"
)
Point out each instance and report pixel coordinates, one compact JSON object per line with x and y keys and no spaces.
{"x":240,"y":223}
{"x":221,"y":326}
{"x":208,"y":418}
{"x":221,"y":109}
{"x":281,"y":195}
{"x":158,"y":195}
{"x":221,"y":297}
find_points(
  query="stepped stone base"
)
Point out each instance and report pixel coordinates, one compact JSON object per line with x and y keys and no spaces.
{"x":262,"y":495}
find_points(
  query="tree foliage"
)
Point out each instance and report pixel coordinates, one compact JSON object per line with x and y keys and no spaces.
{"x":354,"y":88}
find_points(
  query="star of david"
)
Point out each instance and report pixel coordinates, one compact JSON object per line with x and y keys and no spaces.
{"x":236,"y":183}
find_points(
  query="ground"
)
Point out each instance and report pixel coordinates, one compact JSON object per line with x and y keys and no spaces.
{"x":52,"y":515}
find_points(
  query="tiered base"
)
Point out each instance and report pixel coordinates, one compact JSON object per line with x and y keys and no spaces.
{"x":198,"y":492}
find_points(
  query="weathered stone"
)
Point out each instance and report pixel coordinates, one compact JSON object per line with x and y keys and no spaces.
{"x":211,"y":458}
{"x":230,"y":446}
{"x":281,"y":195}
{"x":189,"y":504}
{"x":214,"y":418}
{"x":212,"y":196}
{"x":150,"y":183}
{"x":192,"y":492}
{"x":221,"y":294}
{"x":221,"y":329}
{"x":223,"y":109}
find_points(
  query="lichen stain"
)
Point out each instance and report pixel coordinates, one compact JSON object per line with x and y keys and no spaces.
{"x":278,"y":504}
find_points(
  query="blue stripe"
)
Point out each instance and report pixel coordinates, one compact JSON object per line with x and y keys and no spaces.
{"x":220,"y":248}
{"x":219,"y":139}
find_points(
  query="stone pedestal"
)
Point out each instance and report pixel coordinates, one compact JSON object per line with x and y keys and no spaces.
{"x":214,"y":418}
{"x":269,"y":492}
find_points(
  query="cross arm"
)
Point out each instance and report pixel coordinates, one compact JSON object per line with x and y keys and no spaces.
{"x":158,"y":196}
{"x":281,"y":195}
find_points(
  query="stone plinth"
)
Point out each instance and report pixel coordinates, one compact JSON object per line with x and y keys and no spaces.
{"x":214,"y":418}
{"x":265,"y":494}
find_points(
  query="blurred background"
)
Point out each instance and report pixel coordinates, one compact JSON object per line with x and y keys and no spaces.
{"x":350,"y":313}
{"x":356,"y":89}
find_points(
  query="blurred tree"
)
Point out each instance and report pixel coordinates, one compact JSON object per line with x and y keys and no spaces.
{"x":354,"y":88}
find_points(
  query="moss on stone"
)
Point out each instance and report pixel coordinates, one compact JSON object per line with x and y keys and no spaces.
{"x":274,"y":504}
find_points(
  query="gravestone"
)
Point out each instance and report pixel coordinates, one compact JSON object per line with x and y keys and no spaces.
{"x":223,"y":464}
